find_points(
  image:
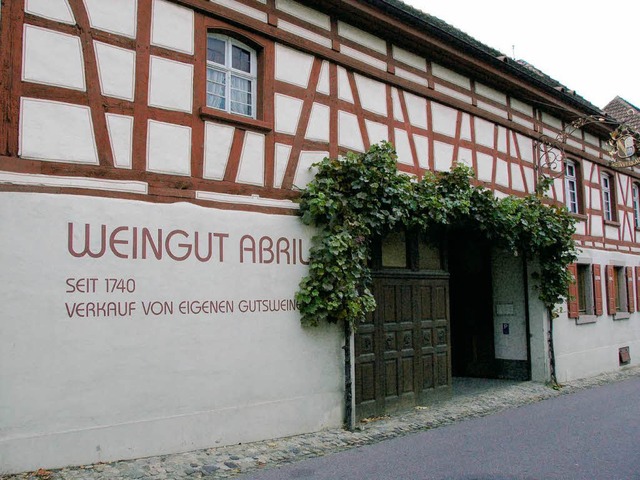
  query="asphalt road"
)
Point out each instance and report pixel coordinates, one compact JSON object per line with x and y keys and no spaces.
{"x":592,"y":434}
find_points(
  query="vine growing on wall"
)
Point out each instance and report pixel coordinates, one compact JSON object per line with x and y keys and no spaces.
{"x":360,"y":196}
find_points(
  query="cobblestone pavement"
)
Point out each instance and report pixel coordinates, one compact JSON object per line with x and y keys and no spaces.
{"x":472,"y":398}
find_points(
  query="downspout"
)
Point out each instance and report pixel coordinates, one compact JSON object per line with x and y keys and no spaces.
{"x":527,"y":317}
{"x":552,"y":355}
{"x":348,"y":382}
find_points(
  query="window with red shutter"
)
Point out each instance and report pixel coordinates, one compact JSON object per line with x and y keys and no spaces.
{"x":597,"y":289}
{"x":630,"y":296}
{"x":572,"y":300}
{"x":611,"y":289}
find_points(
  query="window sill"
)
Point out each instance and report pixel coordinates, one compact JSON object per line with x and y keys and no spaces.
{"x":612,"y":223}
{"x":584,"y":319}
{"x":208,"y":113}
{"x":579,"y":216}
{"x":621,"y":316}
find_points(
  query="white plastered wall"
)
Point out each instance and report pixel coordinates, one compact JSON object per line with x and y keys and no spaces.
{"x":584,"y":350}
{"x":509,"y":307}
{"x":79,"y":388}
{"x":509,"y":316}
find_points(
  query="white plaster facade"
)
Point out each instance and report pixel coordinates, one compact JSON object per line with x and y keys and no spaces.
{"x":85,"y":384}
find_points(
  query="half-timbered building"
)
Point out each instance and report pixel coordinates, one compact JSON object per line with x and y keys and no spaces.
{"x":151,"y":156}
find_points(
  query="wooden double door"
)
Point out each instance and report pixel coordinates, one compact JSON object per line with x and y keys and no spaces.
{"x":403,"y":355}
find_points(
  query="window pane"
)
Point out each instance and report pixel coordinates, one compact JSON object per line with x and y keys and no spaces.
{"x":216,"y":50}
{"x":240,"y":59}
{"x":241,"y":98}
{"x":428,"y":256}
{"x":394,"y":251}
{"x":583,"y":288}
{"x":216,"y":89}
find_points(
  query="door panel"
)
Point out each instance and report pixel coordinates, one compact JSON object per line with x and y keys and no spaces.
{"x":402,"y":350}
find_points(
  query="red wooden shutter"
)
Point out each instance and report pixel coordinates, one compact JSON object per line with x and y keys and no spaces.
{"x":572,"y":299}
{"x":597,"y":289}
{"x":611,"y":289}
{"x":628,"y":271}
{"x":638,"y":286}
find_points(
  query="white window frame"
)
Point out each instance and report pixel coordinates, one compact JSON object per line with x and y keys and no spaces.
{"x":571,"y":186}
{"x":228,"y":71}
{"x":586,"y":300}
{"x":607,"y":197}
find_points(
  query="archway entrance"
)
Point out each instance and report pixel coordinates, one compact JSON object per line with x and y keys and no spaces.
{"x":471,"y":300}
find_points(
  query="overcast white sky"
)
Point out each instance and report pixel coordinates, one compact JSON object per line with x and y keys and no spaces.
{"x":589,"y":46}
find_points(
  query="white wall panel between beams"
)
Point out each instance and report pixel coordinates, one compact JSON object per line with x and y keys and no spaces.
{"x":115,"y":16}
{"x":283,"y":153}
{"x":465,"y":156}
{"x":416,"y":109}
{"x":377,"y":132}
{"x":305,"y":172}
{"x":217,"y":147}
{"x":372,"y":94}
{"x":412,"y":77}
{"x":438,"y":87}
{"x":397,"y":107}
{"x":521,"y":107}
{"x":502,"y":173}
{"x":172,"y":26}
{"x":485,"y":167}
{"x":251,"y":169}
{"x":596,"y":225}
{"x":244,"y":9}
{"x":168,"y":148}
{"x":491,"y":93}
{"x":344,"y":88}
{"x":422,"y":150}
{"x":525,"y":146}
{"x":363,"y":57}
{"x":517,"y":183}
{"x":293,"y":66}
{"x":318,"y":127}
{"x":120,"y":129}
{"x":596,"y":203}
{"x":55,"y":131}
{"x":52,"y":58}
{"x":58,"y":10}
{"x":349,"y":134}
{"x":484,"y":132}
{"x":502,"y":140}
{"x":304,"y":33}
{"x":170,"y":84}
{"x":117,"y":70}
{"x":442,"y":156}
{"x":307,"y":14}
{"x":403,"y":148}
{"x":444,"y":119}
{"x":253,"y":200}
{"x":450,"y":76}
{"x":465,"y":127}
{"x":323,"y":79}
{"x":409,"y":58}
{"x":559,"y":188}
{"x":361,"y":37}
{"x":57,"y":181}
{"x":288,"y":111}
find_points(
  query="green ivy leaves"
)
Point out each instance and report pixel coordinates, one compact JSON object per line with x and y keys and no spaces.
{"x":357,"y":197}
